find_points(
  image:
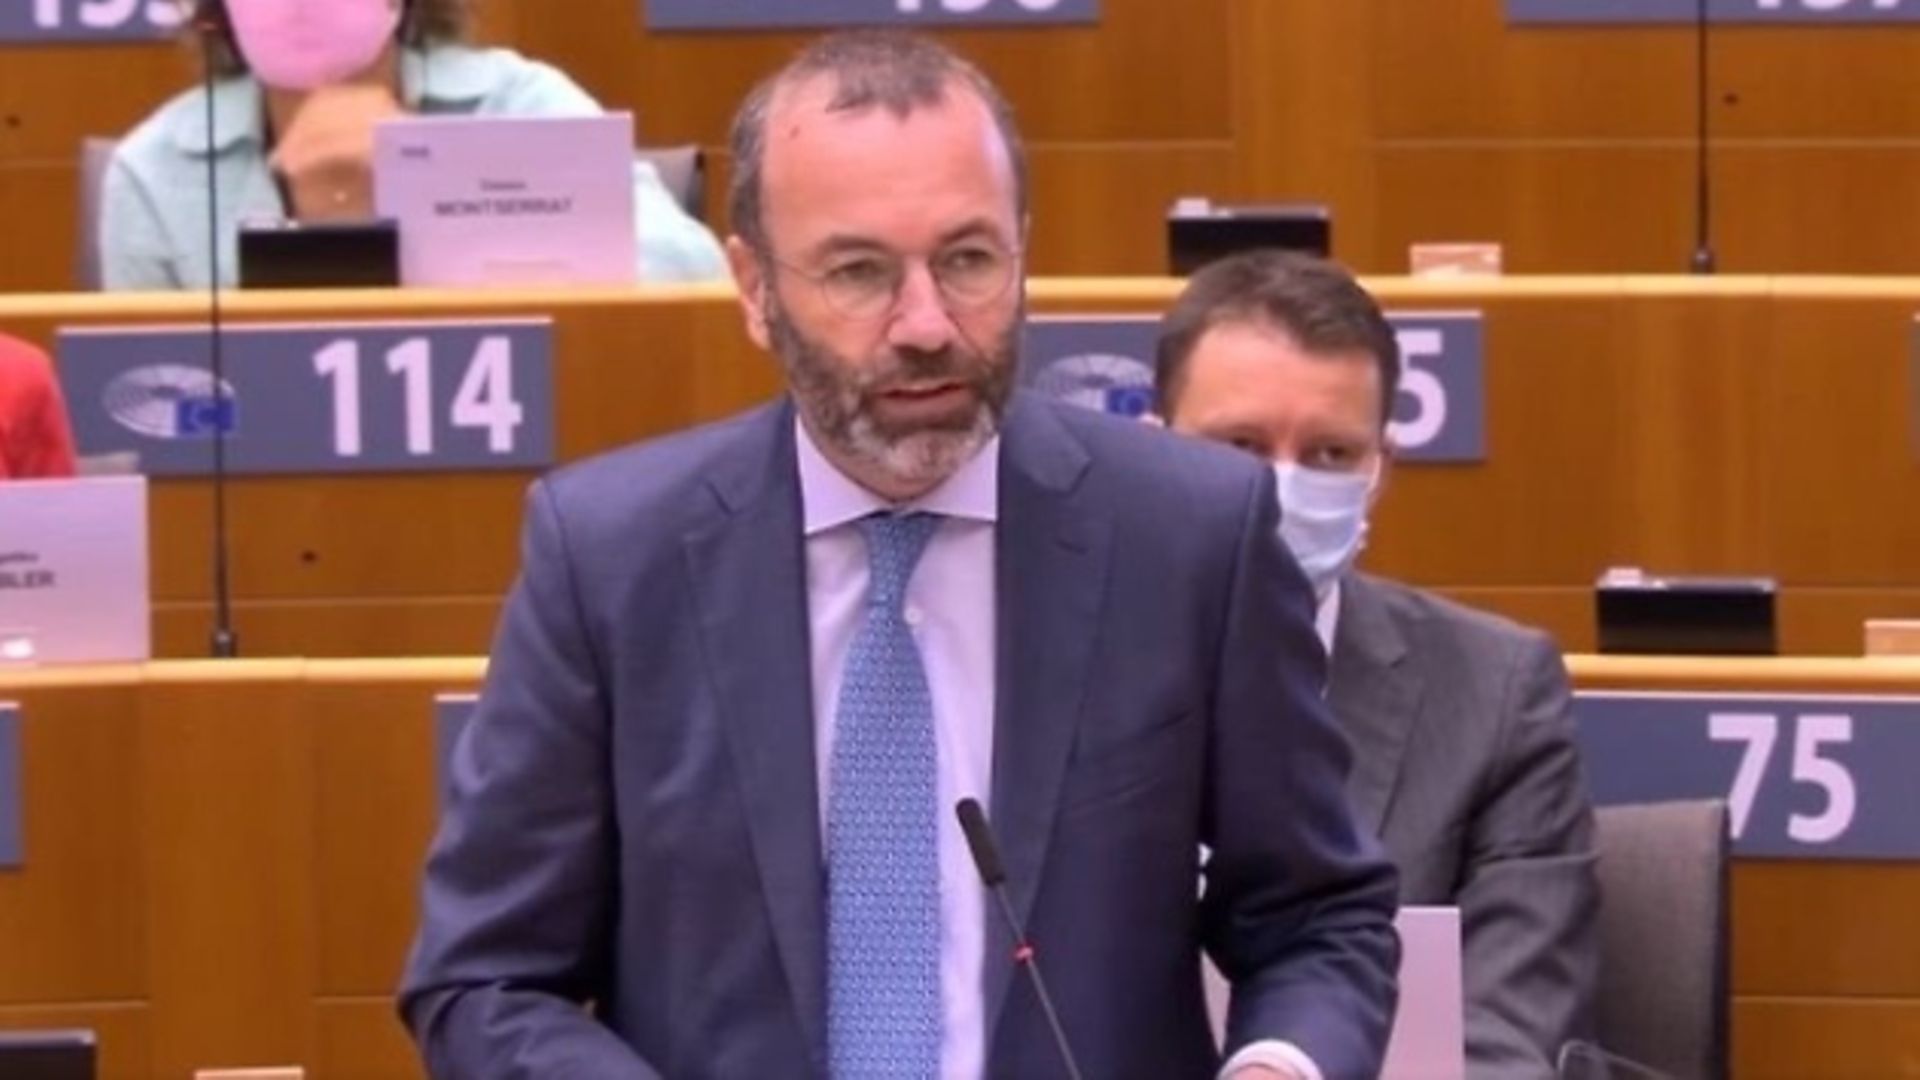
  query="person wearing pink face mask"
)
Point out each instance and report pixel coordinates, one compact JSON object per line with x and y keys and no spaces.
{"x":300,"y":86}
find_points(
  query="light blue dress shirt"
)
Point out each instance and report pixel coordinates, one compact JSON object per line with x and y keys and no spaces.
{"x":153,"y":217}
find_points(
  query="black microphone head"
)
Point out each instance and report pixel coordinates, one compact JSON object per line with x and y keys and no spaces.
{"x":986,"y":854}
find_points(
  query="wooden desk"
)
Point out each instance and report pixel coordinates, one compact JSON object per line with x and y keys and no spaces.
{"x":223,"y":867}
{"x":1726,"y":425}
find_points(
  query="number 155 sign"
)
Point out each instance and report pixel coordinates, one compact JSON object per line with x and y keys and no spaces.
{"x":28,"y":21}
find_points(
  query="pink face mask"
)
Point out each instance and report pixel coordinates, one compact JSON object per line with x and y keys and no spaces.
{"x":307,"y":44}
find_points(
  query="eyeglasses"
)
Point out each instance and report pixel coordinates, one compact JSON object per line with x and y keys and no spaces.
{"x":867,"y":285}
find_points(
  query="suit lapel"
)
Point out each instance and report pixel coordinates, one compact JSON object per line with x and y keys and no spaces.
{"x":1051,"y":564}
{"x":1374,"y":693}
{"x":749,"y":579}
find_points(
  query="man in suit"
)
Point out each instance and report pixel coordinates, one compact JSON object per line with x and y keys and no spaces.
{"x":1464,"y":761}
{"x":748,"y":670}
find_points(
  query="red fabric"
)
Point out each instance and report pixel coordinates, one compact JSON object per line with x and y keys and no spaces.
{"x":35,"y":440}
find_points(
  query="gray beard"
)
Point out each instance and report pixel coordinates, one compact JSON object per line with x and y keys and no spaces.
{"x":832,"y":395}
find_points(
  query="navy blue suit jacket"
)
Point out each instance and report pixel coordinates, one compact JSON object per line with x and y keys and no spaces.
{"x":633,"y":820}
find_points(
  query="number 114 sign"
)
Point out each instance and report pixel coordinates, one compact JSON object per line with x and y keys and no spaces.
{"x":316,"y":398}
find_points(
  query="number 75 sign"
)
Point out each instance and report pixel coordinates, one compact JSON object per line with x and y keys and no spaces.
{"x":1803,"y":777}
{"x":317,"y":398}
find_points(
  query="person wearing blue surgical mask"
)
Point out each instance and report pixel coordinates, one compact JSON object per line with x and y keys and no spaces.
{"x":1461,"y":723}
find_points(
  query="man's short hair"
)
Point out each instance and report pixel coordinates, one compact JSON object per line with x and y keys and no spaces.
{"x":894,"y":70}
{"x":1313,"y":301}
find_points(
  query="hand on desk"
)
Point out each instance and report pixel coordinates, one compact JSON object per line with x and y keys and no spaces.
{"x":326,"y":153}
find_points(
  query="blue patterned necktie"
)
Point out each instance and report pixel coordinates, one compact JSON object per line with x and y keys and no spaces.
{"x":883,"y":864}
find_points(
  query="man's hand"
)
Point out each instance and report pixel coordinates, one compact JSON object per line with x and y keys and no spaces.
{"x":326,"y":153}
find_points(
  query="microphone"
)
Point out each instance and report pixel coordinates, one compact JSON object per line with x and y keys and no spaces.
{"x":1704,"y":261}
{"x":225,"y":644}
{"x":986,"y":859}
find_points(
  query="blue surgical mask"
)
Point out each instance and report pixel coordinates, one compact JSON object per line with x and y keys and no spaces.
{"x":1323,"y":519}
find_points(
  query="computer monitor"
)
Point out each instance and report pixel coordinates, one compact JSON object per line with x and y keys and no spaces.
{"x":47,"y":1055}
{"x":319,"y":255}
{"x":1198,"y":232}
{"x":1685,"y":616}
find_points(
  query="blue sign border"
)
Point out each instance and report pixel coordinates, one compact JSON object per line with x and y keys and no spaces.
{"x":12,"y":793}
{"x":757,"y":15}
{"x":1616,"y":12}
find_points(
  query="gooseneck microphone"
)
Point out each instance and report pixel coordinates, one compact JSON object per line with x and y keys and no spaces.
{"x":1704,"y":260}
{"x":225,"y":643}
{"x":986,"y":859}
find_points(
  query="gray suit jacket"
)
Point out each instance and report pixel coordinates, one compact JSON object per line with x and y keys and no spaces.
{"x":633,"y":816}
{"x":1465,"y":766}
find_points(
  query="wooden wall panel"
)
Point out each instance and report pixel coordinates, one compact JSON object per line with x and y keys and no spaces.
{"x":1414,"y":121}
{"x":335,"y":627}
{"x":228,"y":780}
{"x":1148,"y":73}
{"x":1840,"y":456}
{"x":72,"y":918}
{"x":1582,"y":208}
{"x":361,"y":1039}
{"x":1827,"y":83}
{"x":1731,"y":425}
{"x":1302,"y":102}
{"x":288,"y":804}
{"x":1818,"y":208}
{"x":1081,"y":219}
{"x":377,"y":803}
{"x":50,"y":98}
{"x":1797,"y":1039}
{"x":1872,"y":952}
{"x":39,"y":225}
{"x":122,"y":1031}
{"x":1452,"y":70}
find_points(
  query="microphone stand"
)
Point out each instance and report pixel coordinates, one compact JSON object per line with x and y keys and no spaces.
{"x":225,"y":644}
{"x":1704,"y":260}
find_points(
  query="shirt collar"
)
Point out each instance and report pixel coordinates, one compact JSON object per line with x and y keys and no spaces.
{"x":1326,"y":618}
{"x":830,"y":499}
{"x":443,"y":79}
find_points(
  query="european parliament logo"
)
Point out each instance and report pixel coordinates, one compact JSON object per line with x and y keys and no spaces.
{"x":1105,"y":382}
{"x":1104,"y":363}
{"x":171,"y":401}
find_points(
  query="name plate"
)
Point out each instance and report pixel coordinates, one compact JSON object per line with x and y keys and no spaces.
{"x":49,"y":22}
{"x":1439,"y":416}
{"x":794,"y":14}
{"x":316,"y":398}
{"x":509,"y":200}
{"x":12,"y":839}
{"x":1804,"y":777}
{"x":1729,"y":11}
{"x":73,"y":571}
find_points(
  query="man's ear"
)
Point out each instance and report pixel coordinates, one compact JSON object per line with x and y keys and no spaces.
{"x":750,"y":278}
